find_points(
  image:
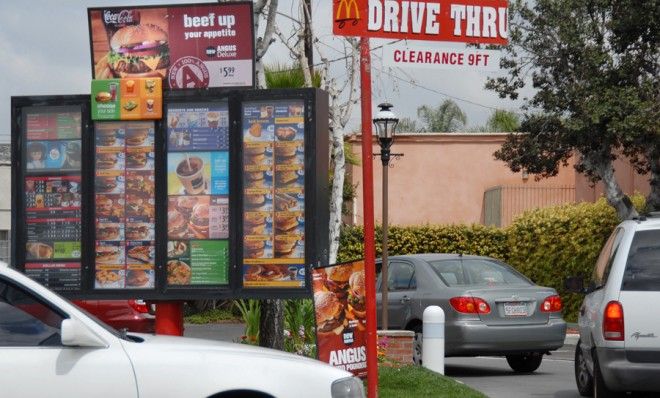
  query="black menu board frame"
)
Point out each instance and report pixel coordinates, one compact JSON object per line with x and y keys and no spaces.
{"x":314,"y":124}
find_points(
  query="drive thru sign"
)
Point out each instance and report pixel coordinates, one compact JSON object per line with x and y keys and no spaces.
{"x":467,"y":21}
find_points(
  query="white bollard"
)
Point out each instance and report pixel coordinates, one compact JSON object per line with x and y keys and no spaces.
{"x":433,"y":339}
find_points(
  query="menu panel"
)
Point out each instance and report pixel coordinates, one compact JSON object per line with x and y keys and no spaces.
{"x":198,"y":194}
{"x":274,"y":194}
{"x":52,"y":196}
{"x":125,"y":205}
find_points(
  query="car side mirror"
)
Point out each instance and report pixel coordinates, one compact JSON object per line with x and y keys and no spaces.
{"x":574,"y":284}
{"x":77,"y":334}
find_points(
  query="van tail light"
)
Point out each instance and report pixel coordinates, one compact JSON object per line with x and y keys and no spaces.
{"x":552,"y":304}
{"x":139,"y":306}
{"x":613,"y":321}
{"x":470,"y":305}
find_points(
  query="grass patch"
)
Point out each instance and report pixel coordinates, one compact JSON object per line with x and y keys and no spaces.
{"x":211,"y":316}
{"x":417,"y":381}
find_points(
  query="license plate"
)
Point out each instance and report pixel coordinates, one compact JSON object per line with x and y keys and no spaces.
{"x":515,"y":309}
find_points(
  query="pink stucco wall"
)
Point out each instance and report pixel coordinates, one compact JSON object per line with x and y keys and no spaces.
{"x":441,"y":179}
{"x":630,"y":181}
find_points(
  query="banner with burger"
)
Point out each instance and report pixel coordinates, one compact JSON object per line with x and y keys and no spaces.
{"x":340,"y":308}
{"x":188,"y":46}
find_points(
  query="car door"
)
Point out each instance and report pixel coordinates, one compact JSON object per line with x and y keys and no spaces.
{"x":34,"y":363}
{"x":401,"y":288}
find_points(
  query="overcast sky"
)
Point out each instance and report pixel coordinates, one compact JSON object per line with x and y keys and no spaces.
{"x":44,"y":45}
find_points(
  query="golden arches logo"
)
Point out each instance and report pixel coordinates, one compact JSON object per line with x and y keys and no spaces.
{"x":351,"y":12}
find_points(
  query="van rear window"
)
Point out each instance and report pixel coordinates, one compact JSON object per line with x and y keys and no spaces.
{"x":643,"y":265}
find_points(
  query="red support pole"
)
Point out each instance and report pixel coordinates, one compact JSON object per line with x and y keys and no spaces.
{"x":169,"y":318}
{"x":368,"y":210}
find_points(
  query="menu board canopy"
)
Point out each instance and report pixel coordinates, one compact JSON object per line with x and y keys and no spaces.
{"x":188,"y":46}
{"x":162,"y":210}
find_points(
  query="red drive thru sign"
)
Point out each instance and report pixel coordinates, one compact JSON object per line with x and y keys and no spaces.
{"x":475,"y":21}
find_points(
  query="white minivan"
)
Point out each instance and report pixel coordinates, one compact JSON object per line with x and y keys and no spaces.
{"x":619,"y":320}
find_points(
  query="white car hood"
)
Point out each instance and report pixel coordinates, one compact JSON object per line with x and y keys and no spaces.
{"x":179,"y":366}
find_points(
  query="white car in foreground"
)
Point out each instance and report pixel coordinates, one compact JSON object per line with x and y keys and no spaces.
{"x":49,"y":348}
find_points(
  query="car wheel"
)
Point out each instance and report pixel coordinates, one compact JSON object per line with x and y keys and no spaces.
{"x":524,"y":363}
{"x":600,"y":389}
{"x":417,"y":345}
{"x":583,"y":379}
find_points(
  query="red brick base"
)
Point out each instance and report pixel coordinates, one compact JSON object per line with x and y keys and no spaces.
{"x":395,"y":347}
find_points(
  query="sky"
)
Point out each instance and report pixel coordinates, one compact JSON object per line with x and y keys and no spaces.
{"x":44,"y":46}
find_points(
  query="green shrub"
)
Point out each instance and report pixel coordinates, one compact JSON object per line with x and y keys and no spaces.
{"x":547,"y":245}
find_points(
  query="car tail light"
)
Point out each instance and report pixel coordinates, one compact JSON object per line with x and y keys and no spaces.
{"x":470,"y":305}
{"x":552,"y":304}
{"x":613,"y":321}
{"x":139,"y":306}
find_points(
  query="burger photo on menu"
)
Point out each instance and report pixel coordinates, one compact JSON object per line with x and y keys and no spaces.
{"x":106,"y":160}
{"x":330,"y":314}
{"x":139,"y":51}
{"x":107,"y":206}
{"x":285,"y":133}
{"x":255,"y":155}
{"x":285,"y":202}
{"x":199,"y":221}
{"x":255,"y":201}
{"x":284,"y":246}
{"x":286,"y":154}
{"x":138,"y":278}
{"x":137,"y":136}
{"x":356,"y":296}
{"x":177,"y":225}
{"x":286,"y":178}
{"x":139,"y":231}
{"x":136,"y":160}
{"x":185,"y":204}
{"x":254,"y":248}
{"x":336,"y":280}
{"x":107,"y":136}
{"x":141,"y":184}
{"x":254,"y":223}
{"x":138,"y":206}
{"x":265,"y":272}
{"x":109,"y":231}
{"x":286,"y":223}
{"x":255,"y":179}
{"x":107,"y":184}
{"x":107,"y":254}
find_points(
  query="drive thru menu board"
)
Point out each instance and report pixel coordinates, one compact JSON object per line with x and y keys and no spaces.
{"x":274,"y":195}
{"x":125,"y":205}
{"x":198,"y":194}
{"x":52,"y":196}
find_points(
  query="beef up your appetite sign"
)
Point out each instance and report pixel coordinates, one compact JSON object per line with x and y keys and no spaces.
{"x":475,"y":21}
{"x":189,"y":46}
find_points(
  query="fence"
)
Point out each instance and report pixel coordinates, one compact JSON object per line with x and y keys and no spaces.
{"x":503,"y":203}
{"x":5,"y":251}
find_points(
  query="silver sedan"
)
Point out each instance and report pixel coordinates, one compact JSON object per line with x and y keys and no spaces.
{"x":490,"y":308}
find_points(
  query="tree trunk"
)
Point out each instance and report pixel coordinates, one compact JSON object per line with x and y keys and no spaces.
{"x":601,"y":165}
{"x":271,"y":324}
{"x":337,"y":194}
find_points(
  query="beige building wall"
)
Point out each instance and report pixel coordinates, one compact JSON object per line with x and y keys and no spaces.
{"x":442,"y":179}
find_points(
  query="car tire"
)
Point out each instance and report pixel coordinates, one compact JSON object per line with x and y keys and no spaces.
{"x":600,"y":389}
{"x":417,"y":345}
{"x":583,"y":379}
{"x":524,"y":363}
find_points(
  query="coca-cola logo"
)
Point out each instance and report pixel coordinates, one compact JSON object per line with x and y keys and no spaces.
{"x":121,"y":17}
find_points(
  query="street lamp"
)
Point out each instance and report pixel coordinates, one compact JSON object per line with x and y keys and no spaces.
{"x":385,"y":122}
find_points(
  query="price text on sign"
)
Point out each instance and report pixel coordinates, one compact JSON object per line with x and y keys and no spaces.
{"x":475,"y":21}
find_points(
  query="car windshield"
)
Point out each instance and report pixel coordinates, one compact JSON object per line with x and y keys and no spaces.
{"x":643,"y":265}
{"x":468,"y":272}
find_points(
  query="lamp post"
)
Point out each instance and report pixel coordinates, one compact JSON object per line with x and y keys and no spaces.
{"x":385,"y":122}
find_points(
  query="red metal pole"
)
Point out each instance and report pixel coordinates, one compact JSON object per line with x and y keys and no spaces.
{"x":368,"y":210}
{"x":169,"y":318}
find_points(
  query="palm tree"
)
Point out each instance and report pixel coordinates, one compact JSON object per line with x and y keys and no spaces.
{"x":447,"y":117}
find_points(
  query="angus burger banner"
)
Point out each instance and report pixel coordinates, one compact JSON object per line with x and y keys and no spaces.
{"x":340,"y":308}
{"x":189,"y":46}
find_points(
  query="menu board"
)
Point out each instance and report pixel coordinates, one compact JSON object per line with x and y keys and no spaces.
{"x":273,"y":194}
{"x":125,"y":205}
{"x":52,"y":196}
{"x":198,"y":194}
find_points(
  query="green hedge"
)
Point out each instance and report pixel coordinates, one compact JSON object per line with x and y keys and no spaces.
{"x":547,"y":245}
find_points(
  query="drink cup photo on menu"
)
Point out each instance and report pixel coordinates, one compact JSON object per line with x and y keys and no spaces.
{"x":188,"y":173}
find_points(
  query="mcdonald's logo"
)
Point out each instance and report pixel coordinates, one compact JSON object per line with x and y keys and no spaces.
{"x":347,"y":10}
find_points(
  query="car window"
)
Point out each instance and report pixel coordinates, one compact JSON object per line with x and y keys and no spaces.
{"x":606,"y":258}
{"x":466,"y":272}
{"x":643,"y":265}
{"x":25,"y":320}
{"x":400,"y":276}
